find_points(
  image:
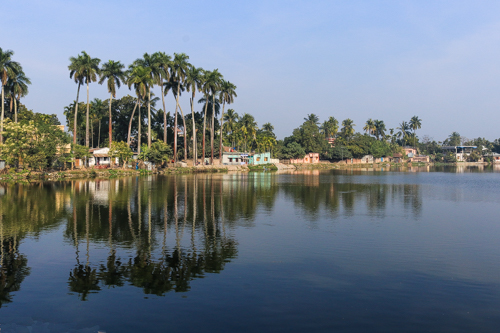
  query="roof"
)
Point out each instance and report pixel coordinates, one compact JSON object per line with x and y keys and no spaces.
{"x":455,"y":147}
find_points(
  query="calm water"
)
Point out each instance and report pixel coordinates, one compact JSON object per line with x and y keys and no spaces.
{"x":333,"y":251}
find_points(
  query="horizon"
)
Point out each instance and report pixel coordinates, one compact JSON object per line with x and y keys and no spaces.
{"x":357,"y":60}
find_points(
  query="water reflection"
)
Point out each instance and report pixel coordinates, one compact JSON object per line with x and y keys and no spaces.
{"x":161,"y":233}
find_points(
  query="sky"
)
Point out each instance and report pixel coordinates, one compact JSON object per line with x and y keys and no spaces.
{"x":386,"y":60}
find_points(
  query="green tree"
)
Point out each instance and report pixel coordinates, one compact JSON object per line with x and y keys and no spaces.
{"x":163,"y":62}
{"x":76,"y":72}
{"x":347,"y":130}
{"x":194,"y":81}
{"x":369,"y":127}
{"x":113,"y":73}
{"x":415,"y":123}
{"x":140,"y":78}
{"x":122,"y":151}
{"x":330,"y":128}
{"x":18,"y":87}
{"x":231,"y":122}
{"x":8,"y":69}
{"x":179,"y":68}
{"x":379,"y":129}
{"x":159,"y":153}
{"x":227,"y":95}
{"x":403,"y":132}
{"x":212,"y":84}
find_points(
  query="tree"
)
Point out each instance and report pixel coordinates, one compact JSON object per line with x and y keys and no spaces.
{"x":292,"y":150}
{"x":453,"y":139}
{"x":18,"y":87}
{"x":212,"y":83}
{"x":179,"y":67}
{"x":163,"y":62}
{"x":248,"y":128}
{"x":8,"y":69}
{"x":149,"y":63}
{"x":120,"y":150}
{"x":90,"y":68}
{"x":231,"y":121}
{"x":140,"y":78}
{"x":312,"y":118}
{"x":159,"y":153}
{"x":194,"y":81}
{"x":415,"y":124}
{"x":369,"y":127}
{"x":227,"y":95}
{"x":347,"y":130}
{"x":112,"y":71}
{"x":379,"y":129}
{"x":330,"y":127}
{"x":77,"y":73}
{"x":404,"y":131}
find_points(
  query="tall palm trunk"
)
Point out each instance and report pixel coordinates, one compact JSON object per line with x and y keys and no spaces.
{"x":99,"y":134}
{"x":110,"y":120}
{"x":221,"y":127}
{"x":149,"y":118}
{"x":15,"y":110}
{"x":76,"y":112}
{"x":130,"y":123}
{"x":164,"y":115}
{"x":87,"y":125}
{"x":184,"y":124}
{"x":212,"y":131}
{"x":139,"y":135}
{"x":195,"y":155}
{"x":204,"y":128}
{"x":1,"y":118}
{"x":175,"y":126}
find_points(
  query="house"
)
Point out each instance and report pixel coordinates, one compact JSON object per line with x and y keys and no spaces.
{"x":309,"y":158}
{"x":410,"y":151}
{"x":235,"y":158}
{"x":101,"y":157}
{"x":397,"y":158}
{"x":461,"y":152}
{"x":367,"y":159}
{"x":259,"y":158}
{"x":419,"y":158}
{"x":495,"y":157}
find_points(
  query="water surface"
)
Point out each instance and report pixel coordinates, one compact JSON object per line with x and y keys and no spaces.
{"x":333,"y":251}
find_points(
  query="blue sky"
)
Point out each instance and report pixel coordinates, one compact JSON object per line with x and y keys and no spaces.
{"x":387,"y":60}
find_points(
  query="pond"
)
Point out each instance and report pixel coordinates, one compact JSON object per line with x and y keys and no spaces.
{"x":307,"y":251}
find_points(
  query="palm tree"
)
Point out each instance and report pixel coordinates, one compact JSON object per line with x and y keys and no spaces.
{"x":163,"y":62}
{"x":212,"y":83}
{"x":369,"y":127}
{"x":415,"y":124}
{"x":90,"y":70}
{"x":231,"y":119}
{"x":76,"y":72}
{"x":379,"y":129}
{"x":194,"y":81}
{"x":227,"y":95}
{"x":8,"y":68}
{"x":140,"y":78}
{"x":149,"y":62}
{"x":330,"y":127}
{"x":97,"y":108}
{"x":112,"y":71}
{"x":178,"y":69}
{"x":248,"y":127}
{"x":403,"y":133}
{"x":348,"y":128}
{"x":18,"y":86}
{"x":312,"y":118}
{"x":267,"y":127}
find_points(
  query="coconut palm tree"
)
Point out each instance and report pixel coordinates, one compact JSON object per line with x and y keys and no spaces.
{"x":348,"y":128}
{"x":379,"y":129}
{"x":231,"y":119}
{"x":178,"y":69}
{"x":212,"y":83}
{"x":140,"y":78}
{"x":312,"y":118}
{"x":330,"y":127}
{"x":112,"y":71}
{"x":149,"y":62}
{"x":369,"y":127}
{"x":8,"y":68}
{"x":18,"y":87}
{"x":415,"y":124}
{"x":194,"y":81}
{"x":404,"y":131}
{"x":227,"y":95}
{"x":163,"y":62}
{"x":248,"y":127}
{"x":90,"y":69}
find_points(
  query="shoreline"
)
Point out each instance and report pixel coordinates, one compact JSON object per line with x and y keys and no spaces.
{"x":118,"y":172}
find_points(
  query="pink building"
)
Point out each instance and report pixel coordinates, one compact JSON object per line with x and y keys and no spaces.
{"x":309,"y":158}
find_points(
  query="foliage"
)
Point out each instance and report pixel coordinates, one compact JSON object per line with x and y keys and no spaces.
{"x":159,"y":152}
{"x":121,"y":150}
{"x":292,"y":150}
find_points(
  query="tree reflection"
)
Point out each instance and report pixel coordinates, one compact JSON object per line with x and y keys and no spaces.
{"x":13,"y":269}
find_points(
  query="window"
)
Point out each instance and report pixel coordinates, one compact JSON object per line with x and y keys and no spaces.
{"x":265,"y":159}
{"x":258,"y":159}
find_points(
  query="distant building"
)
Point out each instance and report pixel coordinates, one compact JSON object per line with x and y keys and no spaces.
{"x":461,"y":152}
{"x":309,"y":158}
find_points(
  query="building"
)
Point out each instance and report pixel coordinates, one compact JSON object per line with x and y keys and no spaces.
{"x":410,"y":151}
{"x":259,"y":158}
{"x":101,"y":157}
{"x":235,"y":158}
{"x":309,"y":158}
{"x":461,"y":152}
